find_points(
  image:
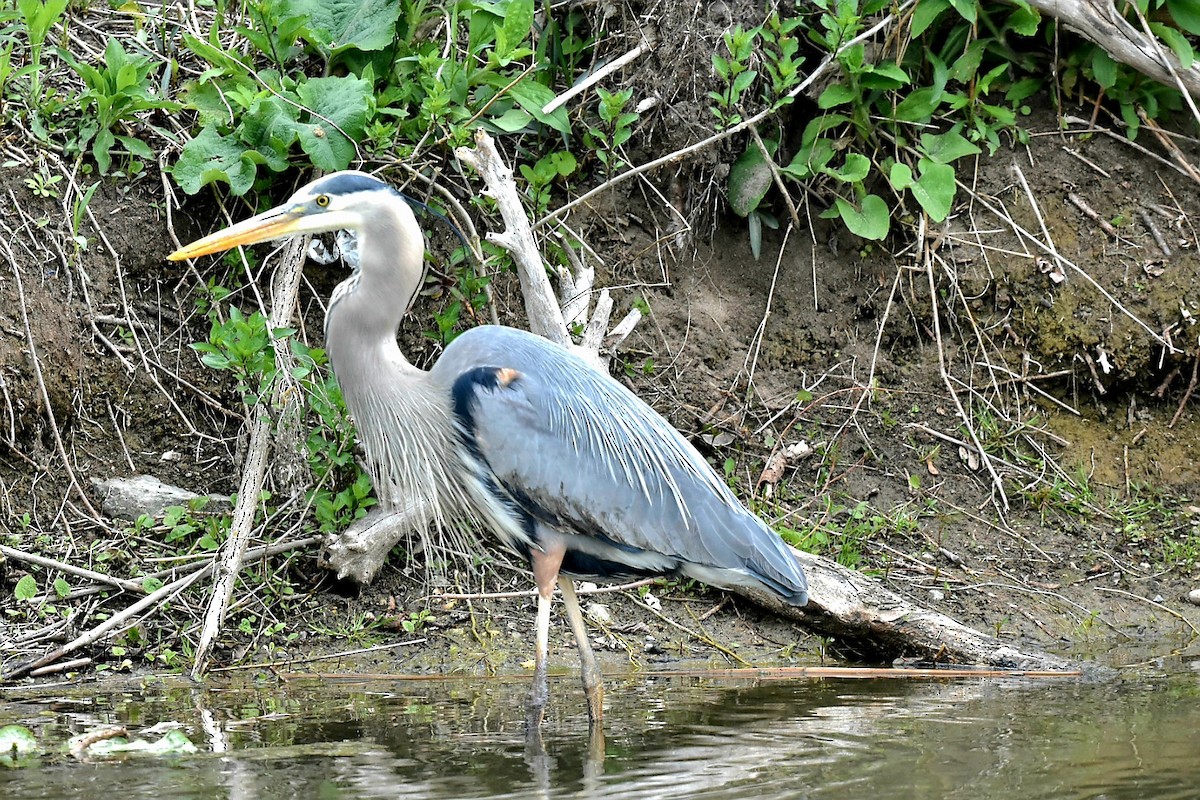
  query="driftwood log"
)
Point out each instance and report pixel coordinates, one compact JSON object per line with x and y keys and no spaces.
{"x":843,"y":604}
{"x":1101,"y":22}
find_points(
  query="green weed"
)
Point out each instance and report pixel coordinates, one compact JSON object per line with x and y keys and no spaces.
{"x":115,"y":94}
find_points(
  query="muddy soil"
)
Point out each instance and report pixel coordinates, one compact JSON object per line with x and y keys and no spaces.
{"x":1077,"y":527}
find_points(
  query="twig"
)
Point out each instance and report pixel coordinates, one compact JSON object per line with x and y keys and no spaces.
{"x":1155,"y":233}
{"x":1038,"y":243}
{"x":927,"y":257}
{"x":733,"y":673}
{"x":152,"y":602}
{"x":1187,"y":394}
{"x":309,"y":659}
{"x":1147,"y":600}
{"x":699,"y":636}
{"x":685,"y":152}
{"x":1091,"y":214}
{"x":81,"y":572}
{"x":35,"y":360}
{"x":254,"y":471}
{"x":594,"y":78}
{"x":62,"y":666}
{"x":533,"y":592}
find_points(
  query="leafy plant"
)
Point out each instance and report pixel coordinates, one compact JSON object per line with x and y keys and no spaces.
{"x":389,"y":85}
{"x":39,"y":17}
{"x":615,"y":128}
{"x":115,"y":94}
{"x":736,"y":72}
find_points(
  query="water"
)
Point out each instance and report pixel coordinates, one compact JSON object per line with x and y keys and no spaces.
{"x":665,"y":737}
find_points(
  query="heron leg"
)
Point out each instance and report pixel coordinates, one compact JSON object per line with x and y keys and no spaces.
{"x":593,"y":685}
{"x":546,"y":563}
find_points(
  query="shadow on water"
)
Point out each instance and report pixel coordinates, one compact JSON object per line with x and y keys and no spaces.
{"x":665,"y":737}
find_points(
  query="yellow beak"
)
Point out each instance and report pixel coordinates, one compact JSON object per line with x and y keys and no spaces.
{"x":278,"y":223}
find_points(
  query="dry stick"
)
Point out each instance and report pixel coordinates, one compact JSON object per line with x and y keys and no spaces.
{"x":1164,"y":56}
{"x":152,"y":601}
{"x":255,"y":469}
{"x":976,"y":197}
{"x":702,"y":637}
{"x":732,"y":673}
{"x":1169,"y":146}
{"x":1159,"y":606}
{"x":545,"y":317}
{"x":927,"y":257}
{"x":1187,"y":395}
{"x":1101,"y":22}
{"x":594,"y":78}
{"x":1074,"y":199}
{"x":309,"y":659}
{"x":81,"y":572}
{"x":533,"y":592}
{"x":1148,"y":221}
{"x":685,"y":152}
{"x":41,"y":382}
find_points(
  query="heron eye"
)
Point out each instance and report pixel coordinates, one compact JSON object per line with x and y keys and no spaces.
{"x":322,"y":200}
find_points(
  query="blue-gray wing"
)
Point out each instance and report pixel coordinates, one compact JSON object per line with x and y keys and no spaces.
{"x":587,"y":457}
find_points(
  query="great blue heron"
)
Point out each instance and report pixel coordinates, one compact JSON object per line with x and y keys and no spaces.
{"x":509,"y":431}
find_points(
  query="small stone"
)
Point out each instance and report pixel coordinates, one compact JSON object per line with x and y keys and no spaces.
{"x":936,"y":594}
{"x":599,"y":613}
{"x":1193,"y":597}
{"x":129,"y":498}
{"x":171,"y":455}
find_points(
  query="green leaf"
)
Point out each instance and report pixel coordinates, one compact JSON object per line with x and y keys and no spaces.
{"x":742,"y":82}
{"x":533,"y":96}
{"x":1104,"y":69}
{"x":269,"y":128}
{"x":967,"y":64}
{"x":871,"y":222}
{"x":61,"y":588}
{"x":749,"y":181}
{"x":966,"y":9}
{"x":1023,"y":89}
{"x":518,"y":21}
{"x":854,"y":170}
{"x":512,"y":120}
{"x":947,"y":147}
{"x":919,"y":105}
{"x":1186,"y":13}
{"x":211,"y":157}
{"x":926,"y":13}
{"x":341,"y":24}
{"x":835,"y":94}
{"x":344,"y":101}
{"x":934,"y":189}
{"x":1176,"y":41}
{"x":26,"y":589}
{"x":900,"y":176}
{"x":1024,"y":20}
{"x":886,"y":76}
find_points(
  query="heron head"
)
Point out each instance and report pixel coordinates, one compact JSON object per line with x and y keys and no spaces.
{"x":332,"y":203}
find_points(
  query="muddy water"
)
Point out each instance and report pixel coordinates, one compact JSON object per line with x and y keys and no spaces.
{"x":666,"y":737}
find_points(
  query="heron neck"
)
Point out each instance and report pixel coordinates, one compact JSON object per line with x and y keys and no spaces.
{"x":365,"y":312}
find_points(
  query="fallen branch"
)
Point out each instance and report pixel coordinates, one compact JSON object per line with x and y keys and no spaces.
{"x":79,"y":572}
{"x":1101,"y":22}
{"x":254,"y":471}
{"x":152,"y":602}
